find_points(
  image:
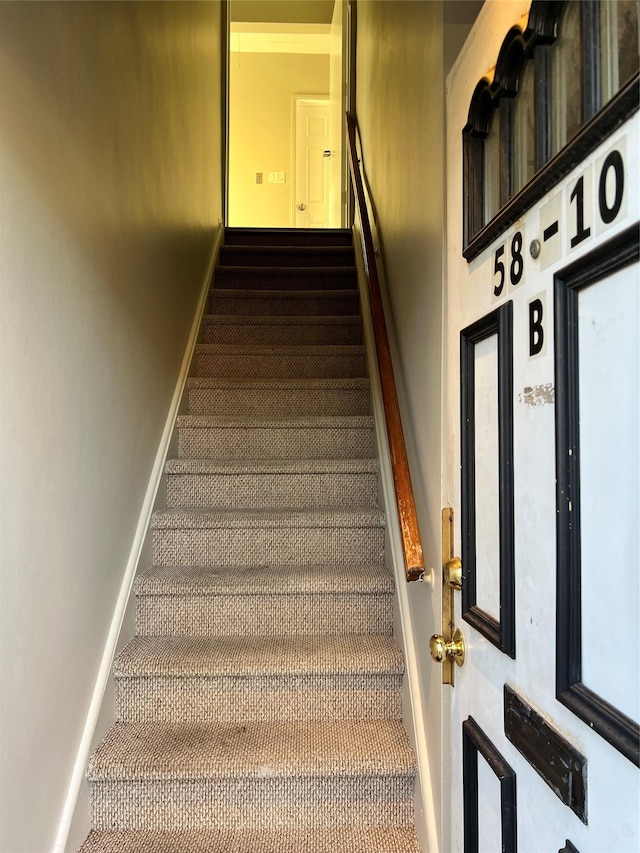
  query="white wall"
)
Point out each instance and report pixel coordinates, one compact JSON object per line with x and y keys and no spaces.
{"x":111,"y":195}
{"x":400,"y":109}
{"x":261,"y":90}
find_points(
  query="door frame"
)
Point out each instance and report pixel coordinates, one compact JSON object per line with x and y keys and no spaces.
{"x":349,"y":17}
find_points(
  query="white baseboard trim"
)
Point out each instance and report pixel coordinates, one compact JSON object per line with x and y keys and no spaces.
{"x":410,"y":649}
{"x":106,"y":663}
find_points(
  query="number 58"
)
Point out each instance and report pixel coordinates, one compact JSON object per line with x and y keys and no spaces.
{"x":516,"y":267}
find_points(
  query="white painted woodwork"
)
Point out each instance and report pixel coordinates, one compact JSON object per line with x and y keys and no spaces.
{"x":311,"y":196}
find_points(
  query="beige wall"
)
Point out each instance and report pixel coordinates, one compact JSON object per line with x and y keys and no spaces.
{"x":400,"y":109}
{"x":110,"y":188}
{"x":262,"y":86}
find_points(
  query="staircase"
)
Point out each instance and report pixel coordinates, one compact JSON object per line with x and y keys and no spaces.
{"x":259,"y":704}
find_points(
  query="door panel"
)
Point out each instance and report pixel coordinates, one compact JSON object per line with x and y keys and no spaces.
{"x":312,"y":167}
{"x":542,"y":466}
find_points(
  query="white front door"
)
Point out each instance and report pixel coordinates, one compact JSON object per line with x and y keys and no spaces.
{"x":312,"y":170}
{"x":542,"y":469}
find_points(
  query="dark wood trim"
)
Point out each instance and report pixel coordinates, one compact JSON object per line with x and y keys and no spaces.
{"x":614,"y":726}
{"x":542,"y":105}
{"x":507,"y":177}
{"x":598,"y":121}
{"x":502,"y":632}
{"x":475,"y":741}
{"x":591,"y":69}
{"x":620,"y":108}
{"x":473,"y":180}
{"x":516,"y":48}
{"x":405,"y":501}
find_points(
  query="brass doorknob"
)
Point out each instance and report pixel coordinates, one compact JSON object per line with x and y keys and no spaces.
{"x":301,"y":206}
{"x":441,"y":649}
{"x":452,"y":573}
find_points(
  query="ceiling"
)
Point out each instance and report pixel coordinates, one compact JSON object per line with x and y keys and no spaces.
{"x":283,"y":11}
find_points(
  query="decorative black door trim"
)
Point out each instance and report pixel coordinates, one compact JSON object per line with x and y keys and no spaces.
{"x":502,"y":632}
{"x":475,"y":741}
{"x":615,"y":727}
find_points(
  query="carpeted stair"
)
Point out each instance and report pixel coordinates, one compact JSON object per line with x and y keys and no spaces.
{"x":259,"y":704}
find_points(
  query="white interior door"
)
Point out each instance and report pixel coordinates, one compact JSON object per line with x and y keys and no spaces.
{"x":312,"y":169}
{"x":542,"y":470}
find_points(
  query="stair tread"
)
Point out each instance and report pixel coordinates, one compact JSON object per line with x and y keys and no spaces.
{"x":360,"y":578}
{"x":294,"y":250}
{"x":288,"y":237}
{"x":299,"y":350}
{"x":313,"y":270}
{"x":301,"y":293}
{"x":232,"y":518}
{"x":347,"y":422}
{"x":338,"y":383}
{"x":256,"y":655}
{"x":271,"y":466}
{"x":258,"y":750}
{"x":395,"y":839}
{"x":281,"y":320}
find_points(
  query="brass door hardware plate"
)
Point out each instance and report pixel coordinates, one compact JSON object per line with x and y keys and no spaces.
{"x":448,"y":647}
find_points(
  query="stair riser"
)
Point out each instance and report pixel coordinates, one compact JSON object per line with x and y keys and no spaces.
{"x":287,"y":237}
{"x":286,"y":305}
{"x":267,"y":546}
{"x":279,"y":334}
{"x":247,"y":443}
{"x":253,"y":491}
{"x":267,"y":366}
{"x":253,"y":699}
{"x":268,"y":615}
{"x":252,"y":802}
{"x":265,"y":278}
{"x":238,"y":256}
{"x":297,"y":401}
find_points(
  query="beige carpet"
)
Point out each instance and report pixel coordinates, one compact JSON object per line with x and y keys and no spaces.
{"x":259,"y":704}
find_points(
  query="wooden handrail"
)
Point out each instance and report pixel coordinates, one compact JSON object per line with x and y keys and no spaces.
{"x":410,"y":534}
